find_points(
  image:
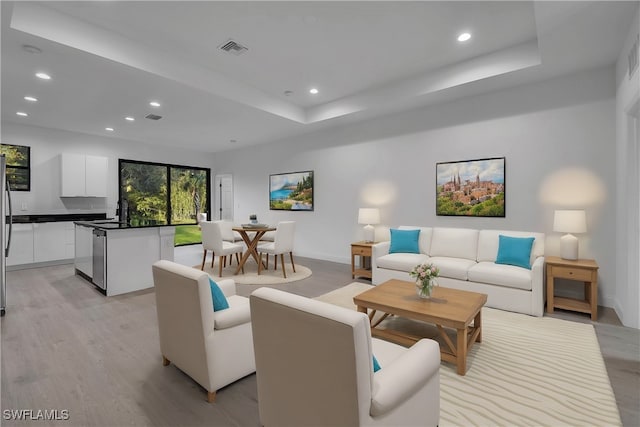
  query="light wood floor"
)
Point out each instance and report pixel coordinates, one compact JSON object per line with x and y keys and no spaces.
{"x":66,"y":346}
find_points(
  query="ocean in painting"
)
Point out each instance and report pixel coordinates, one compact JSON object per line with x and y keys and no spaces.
{"x":281,"y":194}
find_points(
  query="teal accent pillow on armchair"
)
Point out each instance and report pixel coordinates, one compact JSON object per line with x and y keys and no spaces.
{"x":219,"y":300}
{"x":404,"y":241}
{"x":515,"y":251}
{"x":376,"y":365}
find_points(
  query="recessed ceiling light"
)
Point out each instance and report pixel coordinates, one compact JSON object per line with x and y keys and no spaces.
{"x":464,"y":37}
{"x":109,"y":129}
{"x":154,"y":104}
{"x":313,"y":91}
{"x":30,"y":98}
{"x":22,"y":114}
{"x":43,"y":76}
{"x":129,"y":119}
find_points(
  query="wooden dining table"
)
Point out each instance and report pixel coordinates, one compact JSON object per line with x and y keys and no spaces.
{"x":251,"y":241}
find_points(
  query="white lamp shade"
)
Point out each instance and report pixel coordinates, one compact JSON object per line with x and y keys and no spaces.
{"x":570,"y":221}
{"x":369,"y":216}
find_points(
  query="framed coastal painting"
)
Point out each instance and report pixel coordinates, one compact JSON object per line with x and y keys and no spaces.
{"x":291,"y":191}
{"x":471,"y":188}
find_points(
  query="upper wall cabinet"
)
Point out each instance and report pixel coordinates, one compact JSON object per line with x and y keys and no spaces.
{"x":83,"y":175}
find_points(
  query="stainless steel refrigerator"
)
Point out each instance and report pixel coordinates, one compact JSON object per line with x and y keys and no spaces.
{"x":6,"y":224}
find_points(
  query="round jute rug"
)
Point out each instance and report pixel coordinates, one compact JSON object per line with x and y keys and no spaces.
{"x":251,"y":277}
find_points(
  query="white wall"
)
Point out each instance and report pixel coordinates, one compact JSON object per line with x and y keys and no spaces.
{"x":557,"y":137}
{"x":627,"y":302}
{"x":46,"y":146}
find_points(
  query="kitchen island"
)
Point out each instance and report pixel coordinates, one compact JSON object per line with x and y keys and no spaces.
{"x":117,"y":257}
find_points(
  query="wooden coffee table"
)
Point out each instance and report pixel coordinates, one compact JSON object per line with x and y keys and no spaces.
{"x":447,"y":308}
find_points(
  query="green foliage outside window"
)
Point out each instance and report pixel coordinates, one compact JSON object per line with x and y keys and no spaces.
{"x":165,"y":194}
{"x":188,"y":188}
{"x":18,"y":166}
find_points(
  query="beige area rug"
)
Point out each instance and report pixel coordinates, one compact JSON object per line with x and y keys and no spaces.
{"x":527,"y":371}
{"x":251,"y":277}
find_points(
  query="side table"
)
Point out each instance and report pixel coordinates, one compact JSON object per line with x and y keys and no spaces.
{"x":363,"y":250}
{"x":583,"y":270}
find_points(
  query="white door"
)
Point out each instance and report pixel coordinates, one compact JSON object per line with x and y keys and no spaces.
{"x":224,"y":197}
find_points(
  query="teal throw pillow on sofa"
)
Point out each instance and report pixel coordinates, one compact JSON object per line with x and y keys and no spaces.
{"x":515,"y":251}
{"x":376,"y":365}
{"x":404,"y":241}
{"x":219,"y":300}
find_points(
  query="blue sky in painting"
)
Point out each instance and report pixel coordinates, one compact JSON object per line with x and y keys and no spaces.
{"x":489,"y":170}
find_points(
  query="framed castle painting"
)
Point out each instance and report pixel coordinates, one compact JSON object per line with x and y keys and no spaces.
{"x":471,"y":188}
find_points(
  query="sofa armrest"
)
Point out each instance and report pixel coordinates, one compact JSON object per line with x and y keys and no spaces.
{"x":227,"y":286}
{"x":232,"y":316}
{"x":378,"y":250}
{"x":394,"y":383}
{"x":538,"y":288}
{"x":537,"y":273}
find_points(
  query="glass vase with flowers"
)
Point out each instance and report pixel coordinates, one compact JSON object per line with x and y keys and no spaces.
{"x":425,"y":275}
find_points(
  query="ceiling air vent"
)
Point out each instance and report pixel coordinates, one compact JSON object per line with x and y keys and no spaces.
{"x":152,"y":117}
{"x":234,"y":47}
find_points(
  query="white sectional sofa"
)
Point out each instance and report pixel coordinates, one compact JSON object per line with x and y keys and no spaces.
{"x":466,"y":259}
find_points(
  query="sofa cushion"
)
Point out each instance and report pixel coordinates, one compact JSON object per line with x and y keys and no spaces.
{"x":488,"y":242}
{"x":515,"y":251}
{"x":454,"y":268}
{"x":404,"y":241}
{"x":401,"y":262}
{"x":217,"y":296}
{"x":425,"y":237}
{"x":238,"y":313}
{"x":502,"y":275}
{"x":454,"y":243}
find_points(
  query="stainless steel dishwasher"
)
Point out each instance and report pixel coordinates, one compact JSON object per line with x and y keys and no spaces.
{"x":100,"y":258}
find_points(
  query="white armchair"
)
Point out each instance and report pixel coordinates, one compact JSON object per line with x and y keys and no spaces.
{"x":213,"y":348}
{"x":314,"y":367}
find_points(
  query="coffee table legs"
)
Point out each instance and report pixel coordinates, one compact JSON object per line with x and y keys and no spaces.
{"x":461,"y":357}
{"x":465,"y":338}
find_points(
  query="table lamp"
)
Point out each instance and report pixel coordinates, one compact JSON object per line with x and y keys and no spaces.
{"x":569,"y":221}
{"x":369,"y":216}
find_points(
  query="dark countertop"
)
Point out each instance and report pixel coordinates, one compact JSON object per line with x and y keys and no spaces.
{"x":37,"y":218}
{"x":115,"y":225}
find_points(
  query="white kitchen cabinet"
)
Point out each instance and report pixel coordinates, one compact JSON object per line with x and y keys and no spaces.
{"x":96,"y":176}
{"x":50,"y":241}
{"x":83,"y":175}
{"x":21,"y":250}
{"x":70,"y":240}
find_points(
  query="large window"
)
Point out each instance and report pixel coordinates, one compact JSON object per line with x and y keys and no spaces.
{"x":18,"y":166}
{"x":159,"y":193}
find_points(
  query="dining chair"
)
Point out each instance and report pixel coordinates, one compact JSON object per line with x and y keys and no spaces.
{"x":228,"y":235}
{"x":212,"y":240}
{"x":282,"y":243}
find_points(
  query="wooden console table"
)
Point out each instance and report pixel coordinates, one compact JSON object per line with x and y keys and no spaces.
{"x":582,"y":270}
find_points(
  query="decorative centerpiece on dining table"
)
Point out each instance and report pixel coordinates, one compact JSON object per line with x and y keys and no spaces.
{"x":425,"y":275}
